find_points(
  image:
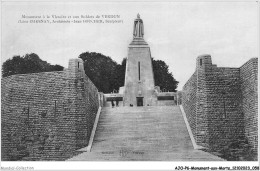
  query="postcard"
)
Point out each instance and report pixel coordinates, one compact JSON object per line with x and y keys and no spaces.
{"x":149,"y":85}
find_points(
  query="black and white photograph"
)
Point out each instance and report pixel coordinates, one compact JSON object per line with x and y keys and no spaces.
{"x":165,"y":85}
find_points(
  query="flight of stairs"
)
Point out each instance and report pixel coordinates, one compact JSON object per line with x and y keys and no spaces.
{"x":155,"y":133}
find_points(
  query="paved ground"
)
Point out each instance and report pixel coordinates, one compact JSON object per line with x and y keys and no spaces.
{"x":143,"y":134}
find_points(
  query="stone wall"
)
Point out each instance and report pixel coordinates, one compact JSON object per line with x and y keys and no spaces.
{"x":166,"y":98}
{"x":189,"y":102}
{"x":166,"y":102}
{"x":179,"y":97}
{"x":249,"y":79}
{"x":49,"y":115}
{"x":216,"y":100}
{"x":225,"y":116}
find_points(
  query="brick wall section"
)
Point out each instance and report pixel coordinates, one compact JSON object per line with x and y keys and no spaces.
{"x":166,"y":102}
{"x":179,"y":97}
{"x":203,"y":65}
{"x":249,"y":79}
{"x":224,"y":101}
{"x":213,"y":99}
{"x":189,"y":102}
{"x":47,"y":116}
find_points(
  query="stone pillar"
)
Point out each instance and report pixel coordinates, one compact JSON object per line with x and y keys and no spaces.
{"x":203,"y":66}
{"x":139,"y":78}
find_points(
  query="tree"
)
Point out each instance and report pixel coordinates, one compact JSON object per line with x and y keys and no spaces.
{"x":29,"y":63}
{"x":101,"y":70}
{"x":119,"y":75}
{"x":162,"y":76}
{"x":108,"y":76}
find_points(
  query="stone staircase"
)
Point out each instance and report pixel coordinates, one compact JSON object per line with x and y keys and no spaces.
{"x":155,"y":133}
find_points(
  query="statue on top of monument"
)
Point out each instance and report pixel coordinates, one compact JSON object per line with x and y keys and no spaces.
{"x":138,"y":27}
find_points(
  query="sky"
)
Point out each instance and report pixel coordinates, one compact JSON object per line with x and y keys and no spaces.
{"x":177,"y":32}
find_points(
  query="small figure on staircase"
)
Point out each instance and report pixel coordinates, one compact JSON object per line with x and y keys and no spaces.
{"x":112,"y":102}
{"x":117,"y":103}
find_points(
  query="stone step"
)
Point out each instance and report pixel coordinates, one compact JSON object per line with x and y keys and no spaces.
{"x":154,"y":133}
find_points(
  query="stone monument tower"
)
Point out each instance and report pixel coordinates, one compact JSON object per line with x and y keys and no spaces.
{"x":139,"y":78}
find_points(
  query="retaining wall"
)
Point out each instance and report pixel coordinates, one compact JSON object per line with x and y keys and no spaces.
{"x":49,"y":115}
{"x":221,"y":103}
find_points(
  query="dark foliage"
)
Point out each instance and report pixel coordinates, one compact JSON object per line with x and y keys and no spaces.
{"x":102,"y":71}
{"x":30,"y":63}
{"x":162,"y":77}
{"x":108,"y":76}
{"x":105,"y":73}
